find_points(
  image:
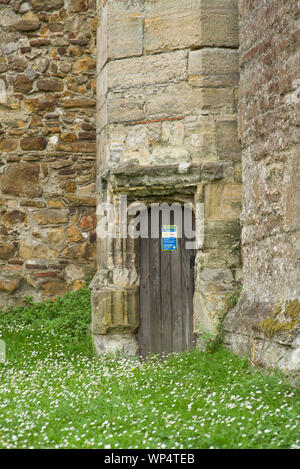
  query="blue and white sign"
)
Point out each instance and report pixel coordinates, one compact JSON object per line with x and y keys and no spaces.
{"x":169,"y":238}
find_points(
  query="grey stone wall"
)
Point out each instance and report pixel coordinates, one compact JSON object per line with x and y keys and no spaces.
{"x":266,"y":320}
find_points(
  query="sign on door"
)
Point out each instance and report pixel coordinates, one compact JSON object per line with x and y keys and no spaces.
{"x":169,"y":238}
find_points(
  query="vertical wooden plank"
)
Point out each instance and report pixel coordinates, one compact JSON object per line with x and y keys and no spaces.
{"x":166,"y":303}
{"x":144,"y":332}
{"x":177,"y":299}
{"x":192,"y":257}
{"x":188,"y":293}
{"x":185,"y":279}
{"x":192,"y":338}
{"x":155,"y":295}
{"x":185,"y":289}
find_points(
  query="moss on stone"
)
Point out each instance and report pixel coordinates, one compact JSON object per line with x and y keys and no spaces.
{"x":273,"y":325}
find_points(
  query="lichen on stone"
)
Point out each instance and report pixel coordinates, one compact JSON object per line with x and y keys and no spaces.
{"x":276,"y":323}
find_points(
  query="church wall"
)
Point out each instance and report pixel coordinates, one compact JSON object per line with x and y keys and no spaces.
{"x":47,"y":147}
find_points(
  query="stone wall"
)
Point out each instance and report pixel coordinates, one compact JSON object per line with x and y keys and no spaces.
{"x":47,"y":146}
{"x":167,"y":77}
{"x":167,"y":99}
{"x":266,"y":320}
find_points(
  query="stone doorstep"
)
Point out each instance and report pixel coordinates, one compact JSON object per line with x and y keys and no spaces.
{"x":112,"y":343}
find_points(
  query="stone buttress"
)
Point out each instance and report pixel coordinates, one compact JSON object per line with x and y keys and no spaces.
{"x":265,"y":323}
{"x":167,"y":77}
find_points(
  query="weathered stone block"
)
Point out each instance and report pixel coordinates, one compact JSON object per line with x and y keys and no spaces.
{"x":220,"y":28}
{"x":86,"y":191}
{"x":81,"y":103}
{"x":264,"y":353}
{"x":54,"y":287}
{"x":29,"y":22}
{"x":217,"y":258}
{"x":33,"y":203}
{"x":9,"y":145}
{"x":172,"y":26}
{"x":221,"y":243}
{"x":200,"y":140}
{"x":9,"y":285}
{"x":14,"y":217}
{"x":84,"y":64}
{"x":174,"y":100}
{"x":67,"y":137}
{"x":78,"y":201}
{"x":22,"y":179}
{"x":3,"y":66}
{"x":80,"y":251}
{"x":207,"y":307}
{"x":45,"y":103}
{"x":50,"y":217}
{"x":190,"y":23}
{"x":122,"y":107}
{"x":74,"y":235}
{"x":120,"y":31}
{"x":212,"y":281}
{"x":292,"y":218}
{"x":76,"y":147}
{"x":23,"y":84}
{"x":6,"y":250}
{"x":18,"y":64}
{"x":78,"y":5}
{"x":70,"y":187}
{"x":223,"y":201}
{"x":33,"y":143}
{"x":147,"y":70}
{"x":211,"y":68}
{"x":47,"y":5}
{"x":30,"y":249}
{"x":228,"y":228}
{"x":7,"y":19}
{"x":125,"y":344}
{"x":228,"y":145}
{"x":55,"y":236}
{"x":217,"y":100}
{"x":50,"y":85}
{"x":115,"y":311}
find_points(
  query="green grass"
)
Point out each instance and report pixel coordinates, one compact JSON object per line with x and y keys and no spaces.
{"x":55,"y":393}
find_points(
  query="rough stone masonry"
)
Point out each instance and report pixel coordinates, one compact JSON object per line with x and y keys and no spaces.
{"x":169,"y":97}
{"x":47,"y":147}
{"x":266,"y":320}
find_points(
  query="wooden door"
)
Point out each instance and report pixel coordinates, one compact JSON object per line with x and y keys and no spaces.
{"x":166,"y":296}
